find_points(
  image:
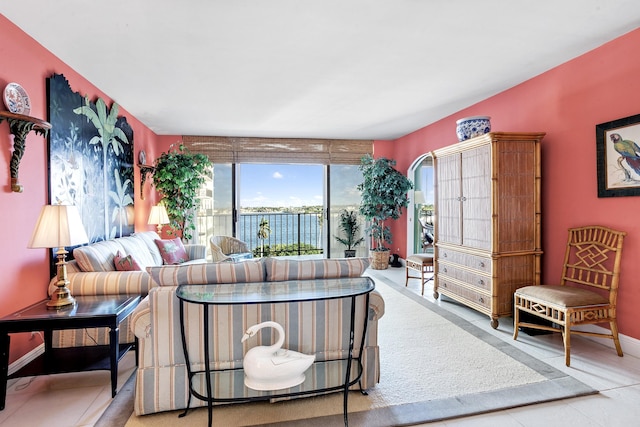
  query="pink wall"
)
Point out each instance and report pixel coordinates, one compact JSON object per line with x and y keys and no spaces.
{"x":567,"y":103}
{"x":26,"y":271}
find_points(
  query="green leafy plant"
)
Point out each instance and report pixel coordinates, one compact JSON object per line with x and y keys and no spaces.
{"x":384,"y":194}
{"x":177,"y":176}
{"x":350,"y":228}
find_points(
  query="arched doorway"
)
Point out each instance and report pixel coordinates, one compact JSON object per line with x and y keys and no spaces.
{"x":420,"y":212}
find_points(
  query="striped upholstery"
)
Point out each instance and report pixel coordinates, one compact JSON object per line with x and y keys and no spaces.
{"x":200,"y":274}
{"x":310,"y":327}
{"x":93,"y":273}
{"x":286,"y":269}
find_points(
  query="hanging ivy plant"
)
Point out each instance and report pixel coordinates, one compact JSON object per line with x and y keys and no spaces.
{"x":178,"y":175}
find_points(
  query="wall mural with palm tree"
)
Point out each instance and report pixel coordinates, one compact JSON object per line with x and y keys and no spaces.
{"x":90,"y":160}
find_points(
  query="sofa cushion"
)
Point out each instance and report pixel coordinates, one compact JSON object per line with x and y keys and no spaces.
{"x":135,"y":246}
{"x":287,"y":269}
{"x":172,"y":251}
{"x":97,"y":256}
{"x":125,"y":263}
{"x":208,"y":273}
{"x":149,"y":238}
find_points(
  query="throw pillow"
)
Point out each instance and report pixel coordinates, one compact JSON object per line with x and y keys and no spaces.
{"x":172,"y":251}
{"x":125,"y":263}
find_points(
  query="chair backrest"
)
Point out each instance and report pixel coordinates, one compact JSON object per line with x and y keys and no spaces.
{"x":593,"y":257}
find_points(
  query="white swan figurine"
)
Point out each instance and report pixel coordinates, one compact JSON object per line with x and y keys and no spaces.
{"x":272,"y":367}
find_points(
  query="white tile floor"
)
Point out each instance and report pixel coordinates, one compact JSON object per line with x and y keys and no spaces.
{"x":62,"y":400}
{"x":78,"y":399}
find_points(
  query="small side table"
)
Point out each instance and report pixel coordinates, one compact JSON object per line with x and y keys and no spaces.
{"x":88,"y":312}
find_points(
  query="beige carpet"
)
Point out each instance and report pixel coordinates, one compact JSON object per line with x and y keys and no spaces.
{"x":434,"y":366}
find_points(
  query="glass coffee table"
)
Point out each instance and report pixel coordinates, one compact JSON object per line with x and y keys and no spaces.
{"x":230,"y":382}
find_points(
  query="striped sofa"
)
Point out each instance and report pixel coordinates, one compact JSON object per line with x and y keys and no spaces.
{"x":93,"y":272}
{"x":310,"y":327}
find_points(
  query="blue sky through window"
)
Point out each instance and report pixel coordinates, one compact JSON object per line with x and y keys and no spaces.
{"x":272,"y":185}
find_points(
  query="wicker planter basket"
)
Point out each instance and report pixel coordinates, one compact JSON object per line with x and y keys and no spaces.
{"x":380,"y":260}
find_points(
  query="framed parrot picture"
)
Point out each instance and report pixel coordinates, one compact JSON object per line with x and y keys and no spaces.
{"x":618,"y":155}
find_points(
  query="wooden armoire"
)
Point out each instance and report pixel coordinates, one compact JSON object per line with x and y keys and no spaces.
{"x":487,"y":234}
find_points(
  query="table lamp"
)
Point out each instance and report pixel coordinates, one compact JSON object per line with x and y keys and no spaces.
{"x":59,"y":226}
{"x":158,"y":215}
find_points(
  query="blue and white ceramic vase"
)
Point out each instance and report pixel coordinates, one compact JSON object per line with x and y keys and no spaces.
{"x":470,"y":127}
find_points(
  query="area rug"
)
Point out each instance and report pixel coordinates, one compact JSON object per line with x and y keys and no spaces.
{"x":434,"y":366}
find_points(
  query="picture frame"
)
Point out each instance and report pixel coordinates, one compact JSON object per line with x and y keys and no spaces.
{"x":618,"y":157}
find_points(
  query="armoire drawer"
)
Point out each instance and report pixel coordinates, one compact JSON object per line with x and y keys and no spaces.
{"x":475,"y":262}
{"x":465,"y":275}
{"x":448,"y":286}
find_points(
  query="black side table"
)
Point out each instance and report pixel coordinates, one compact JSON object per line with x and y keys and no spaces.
{"x":88,"y":312}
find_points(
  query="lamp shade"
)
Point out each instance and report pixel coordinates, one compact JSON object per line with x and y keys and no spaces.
{"x":158,"y":215}
{"x":58,"y":226}
{"x":418,"y":197}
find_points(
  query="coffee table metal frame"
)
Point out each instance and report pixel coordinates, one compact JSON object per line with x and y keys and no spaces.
{"x":273,"y":293}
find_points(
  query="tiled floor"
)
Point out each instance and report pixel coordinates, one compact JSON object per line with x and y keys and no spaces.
{"x":62,"y":400}
{"x":78,"y":399}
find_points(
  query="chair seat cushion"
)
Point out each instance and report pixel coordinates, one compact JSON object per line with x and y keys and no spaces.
{"x":563,"y":296}
{"x":240,"y":256}
{"x":421,"y":258}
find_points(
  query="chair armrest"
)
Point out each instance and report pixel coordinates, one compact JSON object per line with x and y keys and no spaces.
{"x":217,"y":254}
{"x":107,"y":283}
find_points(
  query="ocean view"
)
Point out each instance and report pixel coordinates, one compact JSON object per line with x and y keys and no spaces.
{"x":286,"y":228}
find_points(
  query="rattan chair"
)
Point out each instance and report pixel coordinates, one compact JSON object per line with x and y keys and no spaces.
{"x":227,"y":248}
{"x":587,"y":292}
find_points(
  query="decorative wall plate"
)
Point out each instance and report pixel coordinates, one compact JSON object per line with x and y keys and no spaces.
{"x":16,"y":99}
{"x":142,"y":157}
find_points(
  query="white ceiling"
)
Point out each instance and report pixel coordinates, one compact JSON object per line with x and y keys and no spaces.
{"x":372,"y":69}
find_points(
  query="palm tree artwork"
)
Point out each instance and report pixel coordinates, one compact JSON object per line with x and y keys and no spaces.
{"x":123,"y":212}
{"x":109,"y":136}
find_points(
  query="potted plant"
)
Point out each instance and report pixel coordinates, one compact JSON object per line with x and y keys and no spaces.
{"x":384,"y":194}
{"x":350,"y":228}
{"x":177,"y":176}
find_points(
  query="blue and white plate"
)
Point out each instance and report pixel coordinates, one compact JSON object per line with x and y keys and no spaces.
{"x":16,"y":99}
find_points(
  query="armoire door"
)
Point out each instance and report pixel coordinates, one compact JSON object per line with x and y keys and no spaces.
{"x":449,"y":218}
{"x":475,"y":197}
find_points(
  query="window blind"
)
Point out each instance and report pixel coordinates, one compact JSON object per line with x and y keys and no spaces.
{"x":222,"y":149}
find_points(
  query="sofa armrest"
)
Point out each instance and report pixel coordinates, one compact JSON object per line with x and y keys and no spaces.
{"x":376,"y":305}
{"x":107,"y":283}
{"x":196,"y":251}
{"x":140,"y":320}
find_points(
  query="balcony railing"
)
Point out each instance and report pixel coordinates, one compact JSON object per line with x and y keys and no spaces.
{"x":290,"y":233}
